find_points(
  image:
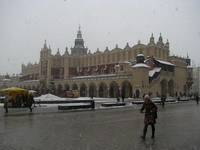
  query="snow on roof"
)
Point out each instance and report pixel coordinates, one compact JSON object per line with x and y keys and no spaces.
{"x":164,"y":62}
{"x":140,"y":65}
{"x":154,"y":70}
{"x":140,"y":55}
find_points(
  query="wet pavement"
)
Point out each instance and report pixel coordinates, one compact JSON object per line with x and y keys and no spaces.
{"x":46,"y":128}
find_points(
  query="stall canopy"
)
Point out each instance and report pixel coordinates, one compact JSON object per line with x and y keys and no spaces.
{"x":14,"y":91}
{"x":49,"y":97}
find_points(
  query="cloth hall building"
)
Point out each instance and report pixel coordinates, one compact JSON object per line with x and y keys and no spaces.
{"x":131,"y":71}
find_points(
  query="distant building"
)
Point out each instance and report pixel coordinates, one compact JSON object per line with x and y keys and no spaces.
{"x":131,"y":71}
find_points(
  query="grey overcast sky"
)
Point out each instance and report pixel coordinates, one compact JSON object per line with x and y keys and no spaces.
{"x":25,"y":24}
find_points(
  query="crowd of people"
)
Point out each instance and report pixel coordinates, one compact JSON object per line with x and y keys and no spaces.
{"x":19,"y":101}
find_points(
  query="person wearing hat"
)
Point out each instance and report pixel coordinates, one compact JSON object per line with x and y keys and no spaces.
{"x":150,"y":110}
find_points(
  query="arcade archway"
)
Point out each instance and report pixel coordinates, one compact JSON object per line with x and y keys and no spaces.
{"x":103,"y":90}
{"x":164,"y":85}
{"x":126,"y":89}
{"x":171,"y":88}
{"x":92,"y":90}
{"x":83,"y":90}
{"x":114,"y":90}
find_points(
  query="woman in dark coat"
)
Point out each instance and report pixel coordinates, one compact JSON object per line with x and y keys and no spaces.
{"x":31,"y":101}
{"x":6,"y":104}
{"x":150,"y":116}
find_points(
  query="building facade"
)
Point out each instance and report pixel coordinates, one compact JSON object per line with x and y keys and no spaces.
{"x":131,"y":71}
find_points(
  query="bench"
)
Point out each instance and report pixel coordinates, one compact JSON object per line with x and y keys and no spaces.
{"x":113,"y":104}
{"x":157,"y":101}
{"x":184,"y":99}
{"x":77,"y":104}
{"x":137,"y":102}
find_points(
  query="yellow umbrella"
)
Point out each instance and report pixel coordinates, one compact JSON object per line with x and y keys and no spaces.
{"x":14,"y":91}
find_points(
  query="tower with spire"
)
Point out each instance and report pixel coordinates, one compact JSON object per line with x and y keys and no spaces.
{"x":151,"y":41}
{"x":45,"y":68}
{"x":45,"y":51}
{"x":79,"y":48}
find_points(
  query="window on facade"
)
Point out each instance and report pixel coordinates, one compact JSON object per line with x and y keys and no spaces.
{"x":159,"y":53}
{"x":108,"y":59}
{"x":93,"y":71}
{"x":118,"y":57}
{"x":88,"y":61}
{"x":111,"y":70}
{"x":102,"y":70}
{"x":113,"y":58}
{"x":129,"y":56}
{"x":124,"y":56}
{"x":135,"y":54}
{"x":102,"y":59}
{"x":155,"y":52}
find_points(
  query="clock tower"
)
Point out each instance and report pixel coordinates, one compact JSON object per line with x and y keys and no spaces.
{"x":79,"y":48}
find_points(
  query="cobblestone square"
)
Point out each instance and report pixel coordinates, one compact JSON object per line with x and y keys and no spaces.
{"x":177,"y":128}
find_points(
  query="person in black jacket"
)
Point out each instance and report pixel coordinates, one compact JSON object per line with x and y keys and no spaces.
{"x":163,"y":99}
{"x":197,"y":98}
{"x":30,"y":102}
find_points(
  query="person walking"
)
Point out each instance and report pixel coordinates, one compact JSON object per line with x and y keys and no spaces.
{"x":123,"y":95}
{"x":150,"y":116}
{"x":197,"y":98}
{"x":31,"y":101}
{"x":6,"y":104}
{"x":163,"y":99}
